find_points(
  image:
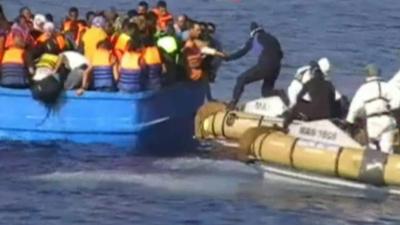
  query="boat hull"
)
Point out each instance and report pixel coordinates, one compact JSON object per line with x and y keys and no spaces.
{"x":152,"y":121}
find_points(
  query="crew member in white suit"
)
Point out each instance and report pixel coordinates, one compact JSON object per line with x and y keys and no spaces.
{"x":302,"y":76}
{"x":374,"y":100}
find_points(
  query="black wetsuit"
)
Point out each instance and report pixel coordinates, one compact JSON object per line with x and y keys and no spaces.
{"x":268,"y":66}
{"x":322,"y":104}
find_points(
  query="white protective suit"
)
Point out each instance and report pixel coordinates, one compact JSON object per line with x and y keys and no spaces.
{"x":302,"y":76}
{"x":375,"y":99}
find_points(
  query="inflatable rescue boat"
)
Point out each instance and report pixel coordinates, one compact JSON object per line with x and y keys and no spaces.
{"x":317,"y":151}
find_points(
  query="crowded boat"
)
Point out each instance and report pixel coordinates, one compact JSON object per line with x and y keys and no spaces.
{"x":146,"y":48}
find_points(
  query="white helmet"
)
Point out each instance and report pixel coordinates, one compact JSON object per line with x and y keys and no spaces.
{"x":324,"y":65}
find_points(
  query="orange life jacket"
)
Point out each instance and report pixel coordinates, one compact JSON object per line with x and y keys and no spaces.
{"x":120,"y":43}
{"x":59,"y":38}
{"x":194,"y":61}
{"x":163,"y":20}
{"x":81,"y":29}
{"x":13,"y":70}
{"x":131,"y":73}
{"x":102,"y":69}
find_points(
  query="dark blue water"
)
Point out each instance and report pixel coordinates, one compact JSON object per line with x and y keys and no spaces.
{"x":72,"y":184}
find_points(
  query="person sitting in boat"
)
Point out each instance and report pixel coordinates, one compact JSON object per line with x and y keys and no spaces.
{"x":154,"y":64}
{"x":120,"y":40}
{"x":321,"y":104}
{"x":14,"y":66}
{"x":131,"y":75}
{"x":101,"y":71}
{"x":374,"y":101}
{"x":49,"y":32}
{"x":38,"y":22}
{"x":269,"y":52}
{"x":93,"y":36}
{"x":303,"y":75}
{"x":71,"y":66}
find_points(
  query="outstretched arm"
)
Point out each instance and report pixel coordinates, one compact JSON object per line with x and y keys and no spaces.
{"x":242,"y":51}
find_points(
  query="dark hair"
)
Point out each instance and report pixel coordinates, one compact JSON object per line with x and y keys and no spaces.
{"x":89,"y":14}
{"x":132,"y":13}
{"x":49,"y":17}
{"x":162,"y":4}
{"x":143,"y":4}
{"x":23,"y":8}
{"x":106,"y":44}
{"x":73,"y":9}
{"x":2,"y":16}
{"x":133,"y":44}
{"x":211,"y":27}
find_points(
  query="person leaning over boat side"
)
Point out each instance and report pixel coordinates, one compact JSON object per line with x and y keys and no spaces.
{"x":102,"y":70}
{"x":269,"y":52}
{"x":93,"y":36}
{"x":194,"y":52}
{"x":321,"y":93}
{"x":131,"y":69}
{"x":375,"y":98}
{"x":46,"y":84}
{"x":71,"y":66}
{"x":302,"y":76}
{"x":14,"y":66}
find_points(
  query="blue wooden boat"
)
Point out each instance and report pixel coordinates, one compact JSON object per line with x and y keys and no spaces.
{"x":154,"y":121}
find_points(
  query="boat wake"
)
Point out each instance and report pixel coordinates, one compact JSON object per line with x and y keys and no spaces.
{"x":198,"y":176}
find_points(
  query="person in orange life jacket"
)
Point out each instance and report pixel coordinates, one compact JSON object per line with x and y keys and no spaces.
{"x":194,"y":51}
{"x":14,"y":66}
{"x":131,"y":69}
{"x":20,"y":28}
{"x":154,"y":64}
{"x":142,"y":8}
{"x":121,"y":40}
{"x":48,"y":33}
{"x":163,"y":16}
{"x":4,"y":29}
{"x":73,"y":15}
{"x":73,"y":27}
{"x":102,"y":70}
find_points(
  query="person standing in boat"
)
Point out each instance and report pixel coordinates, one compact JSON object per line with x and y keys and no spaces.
{"x":303,"y":75}
{"x":374,"y":100}
{"x":269,"y":52}
{"x":93,"y":36}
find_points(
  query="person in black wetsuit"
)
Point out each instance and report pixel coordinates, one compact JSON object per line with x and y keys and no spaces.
{"x":322,"y":104}
{"x":269,"y":52}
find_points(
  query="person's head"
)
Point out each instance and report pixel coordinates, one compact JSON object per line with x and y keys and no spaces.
{"x":108,"y":27}
{"x":111,"y":14}
{"x":162,"y":7}
{"x":143,"y":8}
{"x":325,"y":65}
{"x":372,"y":71}
{"x":49,"y":17}
{"x":38,"y":22}
{"x":181,"y":22}
{"x":26,"y":12}
{"x":211,"y":28}
{"x":22,"y":22}
{"x":48,"y":28}
{"x":105,"y":45}
{"x":73,"y":13}
{"x":134,"y":44}
{"x":195,"y":30}
{"x":315,"y":70}
{"x":254,"y":28}
{"x":132,"y":29}
{"x":140,"y":21}
{"x":98,"y":22}
{"x":90,"y":16}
